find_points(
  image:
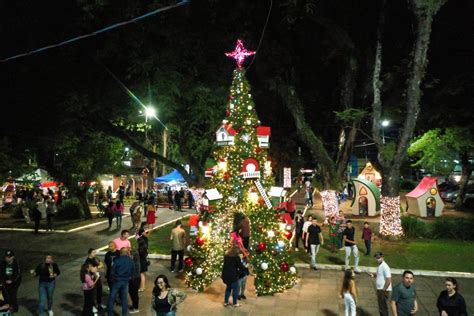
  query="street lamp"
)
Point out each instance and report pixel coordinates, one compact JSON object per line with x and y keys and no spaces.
{"x":150,"y":112}
{"x":385,"y":123}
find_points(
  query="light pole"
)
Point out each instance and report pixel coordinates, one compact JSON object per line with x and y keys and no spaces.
{"x":150,"y":112}
{"x":385,"y":123}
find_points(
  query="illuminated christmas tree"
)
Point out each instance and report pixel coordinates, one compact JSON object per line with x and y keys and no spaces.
{"x":238,"y":186}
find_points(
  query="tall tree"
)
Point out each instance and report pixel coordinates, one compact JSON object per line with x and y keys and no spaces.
{"x":392,"y":154}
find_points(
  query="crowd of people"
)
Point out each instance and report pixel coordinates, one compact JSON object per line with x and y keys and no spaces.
{"x":123,"y":270}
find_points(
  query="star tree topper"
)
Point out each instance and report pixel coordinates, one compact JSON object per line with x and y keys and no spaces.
{"x":240,"y":53}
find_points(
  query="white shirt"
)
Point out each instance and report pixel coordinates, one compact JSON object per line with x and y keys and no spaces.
{"x":306,"y":226}
{"x":383,"y":272}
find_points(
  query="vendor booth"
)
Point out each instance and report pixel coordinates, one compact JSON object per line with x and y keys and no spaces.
{"x":367,"y":198}
{"x":425,"y":200}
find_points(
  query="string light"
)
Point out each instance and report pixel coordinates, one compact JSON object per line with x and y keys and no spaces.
{"x":330,"y":203}
{"x":390,"y":222}
{"x":269,"y":248}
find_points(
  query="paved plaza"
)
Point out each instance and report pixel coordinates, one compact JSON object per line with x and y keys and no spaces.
{"x":315,"y":294}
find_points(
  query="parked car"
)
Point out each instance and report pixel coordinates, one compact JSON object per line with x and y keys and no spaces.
{"x":451,"y":195}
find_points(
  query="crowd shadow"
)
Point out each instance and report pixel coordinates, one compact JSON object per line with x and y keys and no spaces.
{"x":74,"y":303}
{"x":335,"y":260}
{"x":29,"y":304}
{"x":327,"y":312}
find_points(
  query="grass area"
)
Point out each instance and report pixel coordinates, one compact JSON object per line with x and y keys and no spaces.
{"x":159,"y":239}
{"x":422,"y":254}
{"x":57,"y":224}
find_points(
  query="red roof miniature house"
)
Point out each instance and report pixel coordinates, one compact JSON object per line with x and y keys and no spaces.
{"x":263,"y":136}
{"x":424,"y":200}
{"x":225,"y":135}
{"x":250,"y":169}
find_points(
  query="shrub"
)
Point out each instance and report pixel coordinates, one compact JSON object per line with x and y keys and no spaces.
{"x":414,"y":227}
{"x":70,"y":209}
{"x":453,"y":228}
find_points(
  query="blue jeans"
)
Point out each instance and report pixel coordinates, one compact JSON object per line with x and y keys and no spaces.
{"x":121,"y":288}
{"x":118,"y":218}
{"x":234,"y":287}
{"x":45,"y":290}
{"x":314,"y":252}
{"x":368,"y":246}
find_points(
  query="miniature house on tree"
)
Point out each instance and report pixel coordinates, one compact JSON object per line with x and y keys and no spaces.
{"x":367,"y":198}
{"x":225,"y":135}
{"x":263,"y":136}
{"x":424,"y":200}
{"x":371,"y":174}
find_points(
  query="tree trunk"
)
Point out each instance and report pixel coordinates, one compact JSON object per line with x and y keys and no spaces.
{"x":345,"y":153}
{"x":81,"y":195}
{"x":466,"y":171}
{"x":307,"y":135}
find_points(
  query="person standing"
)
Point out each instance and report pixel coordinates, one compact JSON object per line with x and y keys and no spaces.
{"x":138,"y":194}
{"x":4,"y":302}
{"x":50,"y":212}
{"x":118,"y":212}
{"x":36,"y":215}
{"x":190,"y":197}
{"x":349,"y":293}
{"x":142,"y":242}
{"x":165,"y":299}
{"x":122,"y":241}
{"x":121,"y":192}
{"x":109,"y":212}
{"x":109,"y":194}
{"x":383,"y":283}
{"x":87,"y":274}
{"x":47,"y":273}
{"x":309,"y":220}
{"x":404,"y":296}
{"x":244,"y":231}
{"x":290,"y":207}
{"x":367,"y":238}
{"x":177,"y":200}
{"x":134,"y":283}
{"x":351,"y":246}
{"x":151,"y":215}
{"x":341,"y":222}
{"x":170,"y":198}
{"x":178,"y":239}
{"x":314,"y":238}
{"x":299,"y":222}
{"x":122,"y":271}
{"x":450,"y":302}
{"x":94,"y":261}
{"x":333,"y":228}
{"x":10,"y":277}
{"x":109,"y":258}
{"x":230,"y":275}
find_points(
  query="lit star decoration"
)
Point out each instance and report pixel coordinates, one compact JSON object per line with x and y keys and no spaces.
{"x":240,"y":53}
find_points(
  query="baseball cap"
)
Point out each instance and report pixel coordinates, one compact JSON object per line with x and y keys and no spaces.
{"x":9,"y":253}
{"x":378,"y":255}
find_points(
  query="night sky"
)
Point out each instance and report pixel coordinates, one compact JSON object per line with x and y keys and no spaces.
{"x":301,"y":43}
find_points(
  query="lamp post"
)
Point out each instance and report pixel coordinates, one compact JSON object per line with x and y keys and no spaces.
{"x":149,"y":113}
{"x":385,"y":123}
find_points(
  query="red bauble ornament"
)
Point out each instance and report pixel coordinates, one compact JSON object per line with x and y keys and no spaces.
{"x":226,"y":176}
{"x":227,"y":113}
{"x":261,"y":201}
{"x":188,"y":262}
{"x":199,"y":241}
{"x":284,"y":267}
{"x":261,"y":246}
{"x":288,"y":234}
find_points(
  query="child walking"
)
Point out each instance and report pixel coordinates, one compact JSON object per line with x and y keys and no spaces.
{"x":349,"y":293}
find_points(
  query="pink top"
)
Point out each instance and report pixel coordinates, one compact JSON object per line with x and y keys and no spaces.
{"x":117,"y":210}
{"x":119,"y":243}
{"x":88,"y":283}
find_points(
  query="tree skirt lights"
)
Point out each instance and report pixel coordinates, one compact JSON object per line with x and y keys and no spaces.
{"x":330,"y":204}
{"x":390,"y":223}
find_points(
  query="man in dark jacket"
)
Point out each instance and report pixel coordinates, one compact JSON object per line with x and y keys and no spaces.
{"x":122,"y":272}
{"x":10,"y":277}
{"x":299,"y":222}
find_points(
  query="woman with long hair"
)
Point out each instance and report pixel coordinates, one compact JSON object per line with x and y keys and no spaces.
{"x":450,"y":302}
{"x":230,"y":275}
{"x":88,"y":284}
{"x":150,"y":215}
{"x":118,"y":212}
{"x":164,"y":298}
{"x":349,"y":293}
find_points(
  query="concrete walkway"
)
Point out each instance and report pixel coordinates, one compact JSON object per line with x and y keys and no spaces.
{"x":69,"y":251}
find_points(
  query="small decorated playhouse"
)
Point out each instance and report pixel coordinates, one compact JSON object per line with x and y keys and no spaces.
{"x":366,"y":198}
{"x":370,"y":173}
{"x":424,"y":200}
